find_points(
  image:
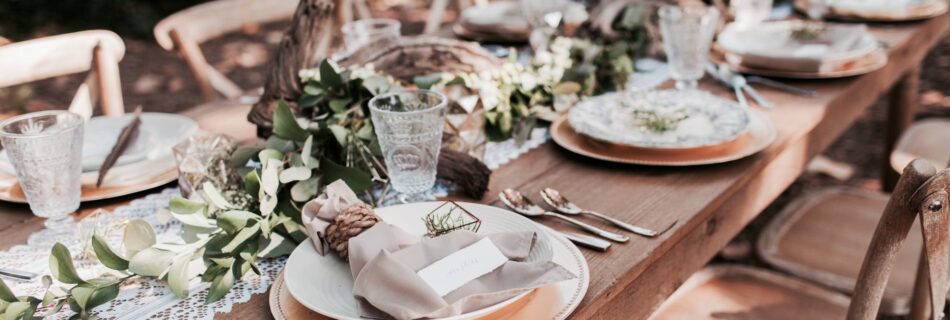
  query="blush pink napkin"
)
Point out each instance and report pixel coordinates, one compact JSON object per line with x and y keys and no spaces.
{"x":319,"y":212}
{"x":384,"y":261}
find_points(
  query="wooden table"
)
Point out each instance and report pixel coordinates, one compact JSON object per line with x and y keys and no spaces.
{"x":712,"y":203}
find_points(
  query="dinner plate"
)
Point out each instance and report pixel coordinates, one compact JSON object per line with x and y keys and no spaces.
{"x":773,"y":45}
{"x":618,"y":118}
{"x":867,"y":64}
{"x":880,"y":10}
{"x":761,"y":134}
{"x":324,"y":283}
{"x":157,"y":166}
{"x":554,"y":301}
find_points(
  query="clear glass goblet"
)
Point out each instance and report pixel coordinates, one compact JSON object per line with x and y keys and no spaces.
{"x":687,"y":35}
{"x":359,"y":33}
{"x":409,"y":127}
{"x":45,"y":149}
{"x":748,"y":13}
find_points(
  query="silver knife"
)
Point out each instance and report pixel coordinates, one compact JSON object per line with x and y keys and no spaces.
{"x":781,"y":86}
{"x":585,"y":241}
{"x":20,"y":275}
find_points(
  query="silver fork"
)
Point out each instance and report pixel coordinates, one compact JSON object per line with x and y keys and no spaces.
{"x":555,"y":199}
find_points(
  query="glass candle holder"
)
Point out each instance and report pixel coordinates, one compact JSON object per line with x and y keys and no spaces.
{"x":359,"y":33}
{"x":45,"y":149}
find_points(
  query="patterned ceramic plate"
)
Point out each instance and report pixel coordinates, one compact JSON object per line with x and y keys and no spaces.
{"x":664,"y":119}
{"x":324,"y":283}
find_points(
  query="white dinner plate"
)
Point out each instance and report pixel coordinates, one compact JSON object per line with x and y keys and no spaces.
{"x":324,"y":283}
{"x":150,"y":154}
{"x":610,"y":118}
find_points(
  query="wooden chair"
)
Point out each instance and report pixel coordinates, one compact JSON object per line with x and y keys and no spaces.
{"x":820,"y":236}
{"x":184,"y":31}
{"x":925,"y":139}
{"x":437,"y":11}
{"x":735,"y":292}
{"x":96,"y":51}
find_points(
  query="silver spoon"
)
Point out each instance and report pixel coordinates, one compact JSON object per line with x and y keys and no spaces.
{"x":521,"y":204}
{"x":555,"y":199}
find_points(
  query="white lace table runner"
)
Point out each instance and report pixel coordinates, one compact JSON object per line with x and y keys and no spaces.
{"x":142,"y":299}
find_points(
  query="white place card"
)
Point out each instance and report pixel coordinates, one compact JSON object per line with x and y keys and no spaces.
{"x":463,"y":266}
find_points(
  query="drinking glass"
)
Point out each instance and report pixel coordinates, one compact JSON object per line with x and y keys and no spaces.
{"x":45,"y":149}
{"x":361,"y":32}
{"x":409,"y":127}
{"x":749,"y":13}
{"x":687,"y":34}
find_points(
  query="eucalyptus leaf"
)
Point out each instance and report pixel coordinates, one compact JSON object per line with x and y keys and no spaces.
{"x":340,"y":133}
{"x":426,"y":82}
{"x":270,"y":154}
{"x":151,"y":262}
{"x":252,"y":183}
{"x":234,"y":220}
{"x":100,"y":295}
{"x":220,"y":286}
{"x":61,"y":265}
{"x":178,"y":276}
{"x":268,"y":204}
{"x":5,"y":293}
{"x":270,"y":177}
{"x":276,"y":246}
{"x":211,"y":194}
{"x":194,"y":220}
{"x":312,"y":89}
{"x":241,"y":237}
{"x":295,"y":174}
{"x":340,"y":105}
{"x":17,"y":310}
{"x":184,"y":206}
{"x":242,"y":155}
{"x":305,"y":190}
{"x":308,"y":101}
{"x":329,"y":76}
{"x":107,"y":256}
{"x":566,"y":88}
{"x":286,"y":126}
{"x":279,"y":144}
{"x":55,"y":309}
{"x":138,"y":236}
{"x":357,"y":180}
{"x":306,"y":154}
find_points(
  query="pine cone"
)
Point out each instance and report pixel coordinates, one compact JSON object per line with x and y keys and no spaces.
{"x":349,"y":223}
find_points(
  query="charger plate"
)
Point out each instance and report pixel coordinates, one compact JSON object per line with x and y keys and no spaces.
{"x":761,"y":133}
{"x":928,"y":9}
{"x":866,"y":64}
{"x":554,"y":301}
{"x":10,"y":190}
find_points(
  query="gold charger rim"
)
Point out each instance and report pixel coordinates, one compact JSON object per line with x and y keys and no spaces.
{"x":758,"y":139}
{"x":90,"y":193}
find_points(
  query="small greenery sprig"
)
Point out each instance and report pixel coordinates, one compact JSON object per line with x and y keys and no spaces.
{"x":659,"y":121}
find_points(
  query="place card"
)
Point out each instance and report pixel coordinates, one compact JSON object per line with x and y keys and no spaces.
{"x":463,"y":266}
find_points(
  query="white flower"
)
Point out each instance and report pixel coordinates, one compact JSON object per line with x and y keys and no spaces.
{"x":309,"y":74}
{"x":528,"y":81}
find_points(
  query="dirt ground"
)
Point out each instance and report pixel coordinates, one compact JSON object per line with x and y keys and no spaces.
{"x":160,"y":81}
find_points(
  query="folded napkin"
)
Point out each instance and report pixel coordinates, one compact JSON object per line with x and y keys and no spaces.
{"x":317,"y":214}
{"x":837,"y":46}
{"x":384,"y":261}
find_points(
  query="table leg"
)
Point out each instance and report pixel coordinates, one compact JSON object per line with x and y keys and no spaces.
{"x":902,"y":105}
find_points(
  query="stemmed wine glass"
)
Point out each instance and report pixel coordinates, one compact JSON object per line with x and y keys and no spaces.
{"x":687,"y":35}
{"x":45,"y":149}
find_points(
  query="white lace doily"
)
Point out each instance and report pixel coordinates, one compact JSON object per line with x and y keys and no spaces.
{"x":142,"y":299}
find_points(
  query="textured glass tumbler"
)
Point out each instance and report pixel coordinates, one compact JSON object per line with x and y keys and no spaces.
{"x":45,"y":149}
{"x":409,"y":127}
{"x":362,"y":32}
{"x":687,"y":34}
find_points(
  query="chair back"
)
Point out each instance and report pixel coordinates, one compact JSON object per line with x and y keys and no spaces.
{"x":96,"y":51}
{"x":923,"y":192}
{"x":185,"y":30}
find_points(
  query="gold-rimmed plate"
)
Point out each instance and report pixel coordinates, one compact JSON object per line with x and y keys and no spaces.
{"x":866,"y":64}
{"x":924,"y":10}
{"x":761,"y":134}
